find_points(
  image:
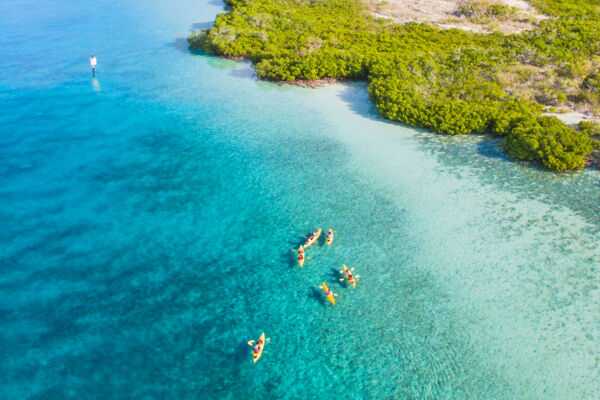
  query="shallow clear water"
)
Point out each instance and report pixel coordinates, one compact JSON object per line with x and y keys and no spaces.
{"x":147,"y":219}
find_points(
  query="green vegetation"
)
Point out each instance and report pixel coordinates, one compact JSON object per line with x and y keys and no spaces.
{"x":590,"y":128}
{"x":449,"y":81}
{"x":557,"y":145}
{"x":482,"y":11}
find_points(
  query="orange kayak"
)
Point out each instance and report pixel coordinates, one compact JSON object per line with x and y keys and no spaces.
{"x":329,"y":237}
{"x":329,"y":296}
{"x":301,"y":256}
{"x":311,"y":241}
{"x":352,"y":281}
{"x":258,"y":350}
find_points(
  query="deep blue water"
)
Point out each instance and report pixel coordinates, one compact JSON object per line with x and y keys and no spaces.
{"x":147,"y":218}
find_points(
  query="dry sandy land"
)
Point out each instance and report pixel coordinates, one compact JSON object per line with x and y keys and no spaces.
{"x":443,"y":13}
{"x":572,"y":117}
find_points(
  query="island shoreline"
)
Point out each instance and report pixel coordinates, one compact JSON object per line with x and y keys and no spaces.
{"x":435,"y":94}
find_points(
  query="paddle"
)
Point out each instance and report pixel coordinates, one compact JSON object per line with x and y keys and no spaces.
{"x":342,"y":279}
{"x":251,"y":342}
{"x":343,"y":272}
{"x":321,"y":287}
{"x":294,"y":250}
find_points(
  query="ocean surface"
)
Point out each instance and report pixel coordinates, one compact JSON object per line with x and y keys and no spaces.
{"x":147,"y":219}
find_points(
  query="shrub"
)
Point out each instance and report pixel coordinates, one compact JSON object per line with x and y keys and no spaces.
{"x":592,"y":82}
{"x":547,"y":139}
{"x":589,"y":128}
{"x":481,"y":11}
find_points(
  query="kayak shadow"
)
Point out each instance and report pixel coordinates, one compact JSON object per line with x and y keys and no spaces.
{"x":322,"y":239}
{"x":297,"y":241}
{"x":242,"y":353}
{"x":336,"y":276}
{"x":291,"y":259}
{"x":318,"y":294}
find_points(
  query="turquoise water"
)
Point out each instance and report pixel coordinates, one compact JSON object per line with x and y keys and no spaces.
{"x":147,"y":219}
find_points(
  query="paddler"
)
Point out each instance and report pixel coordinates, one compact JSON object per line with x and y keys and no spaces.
{"x":93,"y":63}
{"x":330,"y":234}
{"x":349,"y":276}
{"x":311,"y":237}
{"x":259,"y":344}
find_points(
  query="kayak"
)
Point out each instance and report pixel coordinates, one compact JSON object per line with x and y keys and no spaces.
{"x":301,"y":253}
{"x":261,"y":343}
{"x":310,"y":241}
{"x":345,"y":272}
{"x":329,"y":237}
{"x":329,"y":296}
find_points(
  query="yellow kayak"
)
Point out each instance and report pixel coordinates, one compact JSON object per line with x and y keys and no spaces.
{"x":329,"y":237}
{"x":312,"y":240}
{"x":301,"y":256}
{"x":258,"y":349}
{"x":329,"y":296}
{"x":352,"y":280}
